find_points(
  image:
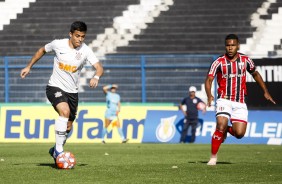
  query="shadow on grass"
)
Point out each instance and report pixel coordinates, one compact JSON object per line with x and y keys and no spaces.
{"x":205,"y":162}
{"x":54,"y":166}
{"x":47,"y":165}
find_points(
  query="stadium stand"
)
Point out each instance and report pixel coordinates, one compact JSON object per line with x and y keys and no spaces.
{"x":46,"y":20}
{"x":10,"y":9}
{"x":187,"y":27}
{"x":266,"y":38}
{"x":275,"y":8}
{"x":174,"y":27}
{"x":166,"y":77}
{"x":195,"y":27}
{"x":2,"y":80}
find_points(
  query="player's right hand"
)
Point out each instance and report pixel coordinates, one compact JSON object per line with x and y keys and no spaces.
{"x":93,"y":83}
{"x":268,"y":97}
{"x":25,"y":72}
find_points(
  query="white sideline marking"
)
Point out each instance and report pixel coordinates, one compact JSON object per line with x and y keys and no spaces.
{"x":274,"y":141}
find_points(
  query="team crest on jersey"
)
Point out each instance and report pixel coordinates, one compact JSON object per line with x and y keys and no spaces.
{"x":195,"y":101}
{"x":166,"y":129}
{"x":241,"y":65}
{"x":78,"y":56}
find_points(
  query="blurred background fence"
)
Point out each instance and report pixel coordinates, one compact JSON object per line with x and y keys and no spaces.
{"x":141,"y":78}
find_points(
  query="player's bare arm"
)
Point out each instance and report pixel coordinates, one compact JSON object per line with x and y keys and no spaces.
{"x":99,"y":72}
{"x":208,"y":85}
{"x":40,"y":52}
{"x":257,"y":77}
{"x":106,"y":88}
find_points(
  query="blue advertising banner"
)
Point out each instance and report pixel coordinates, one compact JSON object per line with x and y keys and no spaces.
{"x":264,"y":127}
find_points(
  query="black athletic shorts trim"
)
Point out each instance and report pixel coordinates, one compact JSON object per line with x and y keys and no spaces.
{"x":55,"y":95}
{"x":223,"y":113}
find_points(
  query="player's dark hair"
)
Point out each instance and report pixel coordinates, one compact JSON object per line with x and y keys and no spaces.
{"x":232,"y":37}
{"x":78,"y":26}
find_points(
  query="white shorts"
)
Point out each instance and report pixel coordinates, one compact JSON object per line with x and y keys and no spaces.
{"x":235,"y":111}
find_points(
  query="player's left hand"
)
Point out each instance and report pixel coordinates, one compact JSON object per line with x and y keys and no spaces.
{"x":93,"y":83}
{"x":268,"y":97}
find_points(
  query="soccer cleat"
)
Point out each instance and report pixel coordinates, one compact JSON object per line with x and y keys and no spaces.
{"x":54,"y":153}
{"x":103,"y":142}
{"x":125,"y":141}
{"x":212,"y":161}
{"x":51,"y":152}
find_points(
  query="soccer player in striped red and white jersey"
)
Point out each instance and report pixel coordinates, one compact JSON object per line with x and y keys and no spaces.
{"x":230,"y":71}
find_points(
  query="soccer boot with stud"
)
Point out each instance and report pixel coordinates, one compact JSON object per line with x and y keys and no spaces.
{"x":54,"y":153}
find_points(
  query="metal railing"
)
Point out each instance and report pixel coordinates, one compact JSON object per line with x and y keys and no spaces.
{"x":160,"y":78}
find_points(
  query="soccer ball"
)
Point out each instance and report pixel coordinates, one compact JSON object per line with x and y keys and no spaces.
{"x":65,"y":160}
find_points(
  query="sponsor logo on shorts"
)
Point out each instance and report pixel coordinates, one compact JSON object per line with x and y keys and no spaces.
{"x":58,"y":94}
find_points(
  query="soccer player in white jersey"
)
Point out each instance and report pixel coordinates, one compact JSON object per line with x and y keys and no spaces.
{"x":71,"y":54}
{"x":112,"y":111}
{"x":230,"y":70}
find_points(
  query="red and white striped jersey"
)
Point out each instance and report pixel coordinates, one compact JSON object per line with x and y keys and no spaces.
{"x":231,"y":76}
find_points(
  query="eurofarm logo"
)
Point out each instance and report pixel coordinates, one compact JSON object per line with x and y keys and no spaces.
{"x":166,"y":129}
{"x":18,"y":124}
{"x":35,"y":123}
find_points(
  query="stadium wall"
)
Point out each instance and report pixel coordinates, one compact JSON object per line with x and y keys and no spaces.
{"x":142,"y":78}
{"x":142,"y":123}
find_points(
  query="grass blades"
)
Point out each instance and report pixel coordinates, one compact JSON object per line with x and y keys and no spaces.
{"x":142,"y":163}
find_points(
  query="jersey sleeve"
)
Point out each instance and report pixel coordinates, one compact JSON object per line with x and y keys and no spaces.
{"x":251,"y":68}
{"x":199,"y":100}
{"x":183,"y":101}
{"x":50,"y":46}
{"x":91,"y":58}
{"x":214,"y":68}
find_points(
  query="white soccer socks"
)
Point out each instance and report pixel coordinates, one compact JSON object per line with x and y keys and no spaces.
{"x":60,"y":132}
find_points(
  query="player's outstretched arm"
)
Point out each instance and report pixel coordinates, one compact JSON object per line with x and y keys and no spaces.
{"x":99,"y":72}
{"x":257,"y":77}
{"x":208,"y":85}
{"x":25,"y":71}
{"x":106,"y":88}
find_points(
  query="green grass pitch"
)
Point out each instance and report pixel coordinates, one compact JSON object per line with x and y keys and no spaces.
{"x":142,"y":163}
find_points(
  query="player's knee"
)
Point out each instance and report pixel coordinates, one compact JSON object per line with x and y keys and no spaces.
{"x":221,"y":128}
{"x":239,"y":135}
{"x":65,"y":113}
